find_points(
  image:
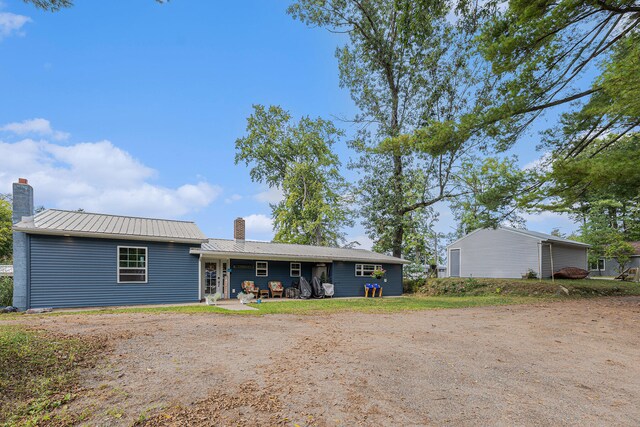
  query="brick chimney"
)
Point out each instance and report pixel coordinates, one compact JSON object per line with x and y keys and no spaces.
{"x":22,"y":207}
{"x":22,"y":200}
{"x":238,"y":229}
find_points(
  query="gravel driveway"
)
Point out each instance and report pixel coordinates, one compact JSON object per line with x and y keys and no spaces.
{"x":571,"y":363}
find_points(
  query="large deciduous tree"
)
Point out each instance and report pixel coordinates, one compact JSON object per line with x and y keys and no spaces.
{"x":492,"y":185}
{"x":411,"y":70}
{"x":590,"y":185}
{"x":581,"y":55}
{"x":297,"y":158}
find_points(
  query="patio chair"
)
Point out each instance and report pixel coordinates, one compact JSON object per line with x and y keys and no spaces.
{"x":250,"y":288}
{"x":276,"y":289}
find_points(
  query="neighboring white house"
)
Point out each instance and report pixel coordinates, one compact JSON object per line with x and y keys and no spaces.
{"x":509,"y":253}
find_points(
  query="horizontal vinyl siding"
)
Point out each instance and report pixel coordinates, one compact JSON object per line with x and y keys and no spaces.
{"x":497,"y":254}
{"x":80,"y":272}
{"x":278,"y":271}
{"x":611,"y":267}
{"x":346,"y":283}
{"x":563,"y":256}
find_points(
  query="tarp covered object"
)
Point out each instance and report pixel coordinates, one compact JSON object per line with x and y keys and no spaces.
{"x":305,"y":289}
{"x":328,"y":289}
{"x":318,"y":290}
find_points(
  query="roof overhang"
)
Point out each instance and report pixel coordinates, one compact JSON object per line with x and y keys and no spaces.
{"x":272,"y":257}
{"x":67,"y":233}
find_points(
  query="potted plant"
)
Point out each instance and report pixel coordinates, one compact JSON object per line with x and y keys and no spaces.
{"x":378,"y":273}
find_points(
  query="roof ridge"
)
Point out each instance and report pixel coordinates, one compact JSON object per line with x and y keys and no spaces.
{"x":292,"y":244}
{"x":113,"y":215}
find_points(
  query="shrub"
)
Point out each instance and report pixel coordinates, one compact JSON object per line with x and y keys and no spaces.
{"x":411,"y":286}
{"x":6,"y":291}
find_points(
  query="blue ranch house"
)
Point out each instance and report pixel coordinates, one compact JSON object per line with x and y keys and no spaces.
{"x":80,"y":259}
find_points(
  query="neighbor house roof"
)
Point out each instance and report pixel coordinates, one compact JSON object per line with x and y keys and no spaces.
{"x":541,"y":237}
{"x":636,"y":248}
{"x":85,"y":224}
{"x":246,"y":249}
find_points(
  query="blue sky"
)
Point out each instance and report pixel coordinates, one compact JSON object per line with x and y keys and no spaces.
{"x":135,"y":109}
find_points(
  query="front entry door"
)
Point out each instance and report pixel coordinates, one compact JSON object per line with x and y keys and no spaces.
{"x":216,"y":278}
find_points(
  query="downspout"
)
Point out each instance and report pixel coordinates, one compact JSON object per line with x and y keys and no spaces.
{"x":540,"y":261}
{"x":200,"y":278}
{"x":553,"y":280}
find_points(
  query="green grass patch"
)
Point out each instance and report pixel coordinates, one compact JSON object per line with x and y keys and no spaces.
{"x":338,"y":305}
{"x":39,"y":375}
{"x":525,"y":287}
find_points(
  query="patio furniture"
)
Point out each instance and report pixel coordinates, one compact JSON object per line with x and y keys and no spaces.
{"x":372,"y":287}
{"x":250,"y":288}
{"x":276,"y":289}
{"x":292,"y":293}
{"x":264,"y":293}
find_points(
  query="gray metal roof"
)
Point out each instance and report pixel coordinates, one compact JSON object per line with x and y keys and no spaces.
{"x":546,"y":237}
{"x":542,"y":237}
{"x":85,"y":224}
{"x":286,"y":251}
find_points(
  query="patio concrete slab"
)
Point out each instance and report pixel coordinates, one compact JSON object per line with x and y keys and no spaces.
{"x":232,"y":305}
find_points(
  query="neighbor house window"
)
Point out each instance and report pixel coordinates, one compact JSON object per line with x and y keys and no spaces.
{"x":363,"y":270}
{"x":295,"y":269}
{"x":132,"y":264}
{"x":262,"y":268}
{"x":597,"y":265}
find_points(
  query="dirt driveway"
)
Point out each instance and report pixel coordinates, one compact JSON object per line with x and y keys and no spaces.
{"x":570,"y":363}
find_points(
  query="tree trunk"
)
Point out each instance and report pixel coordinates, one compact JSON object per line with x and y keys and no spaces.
{"x":398,"y":228}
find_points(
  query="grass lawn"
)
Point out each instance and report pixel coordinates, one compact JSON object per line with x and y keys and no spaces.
{"x":325,"y":306}
{"x":435,"y":294}
{"x":39,"y":375}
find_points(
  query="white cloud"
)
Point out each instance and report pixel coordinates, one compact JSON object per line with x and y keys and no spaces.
{"x":542,"y":163}
{"x":40,"y":127}
{"x":11,"y":24}
{"x":364,"y":242}
{"x":98,"y":177}
{"x":233,"y":198}
{"x":271,"y":195}
{"x":258,"y":224}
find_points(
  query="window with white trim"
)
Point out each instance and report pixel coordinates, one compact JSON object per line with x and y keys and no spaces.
{"x":132,"y":264}
{"x":597,"y":265}
{"x":365,"y":270}
{"x":295,"y":269}
{"x":262,"y":269}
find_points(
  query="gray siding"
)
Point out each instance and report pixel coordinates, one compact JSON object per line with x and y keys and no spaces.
{"x":497,"y":254}
{"x":348,"y":285}
{"x":563,"y":256}
{"x":78,"y":272}
{"x":611,"y":267}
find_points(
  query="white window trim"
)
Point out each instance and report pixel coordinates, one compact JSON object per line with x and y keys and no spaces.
{"x":266,"y":268}
{"x":291,"y":269}
{"x":146,"y":264}
{"x":604,"y":265}
{"x":375,"y":267}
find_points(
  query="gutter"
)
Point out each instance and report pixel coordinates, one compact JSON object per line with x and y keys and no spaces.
{"x":269,"y":257}
{"x":69,"y":233}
